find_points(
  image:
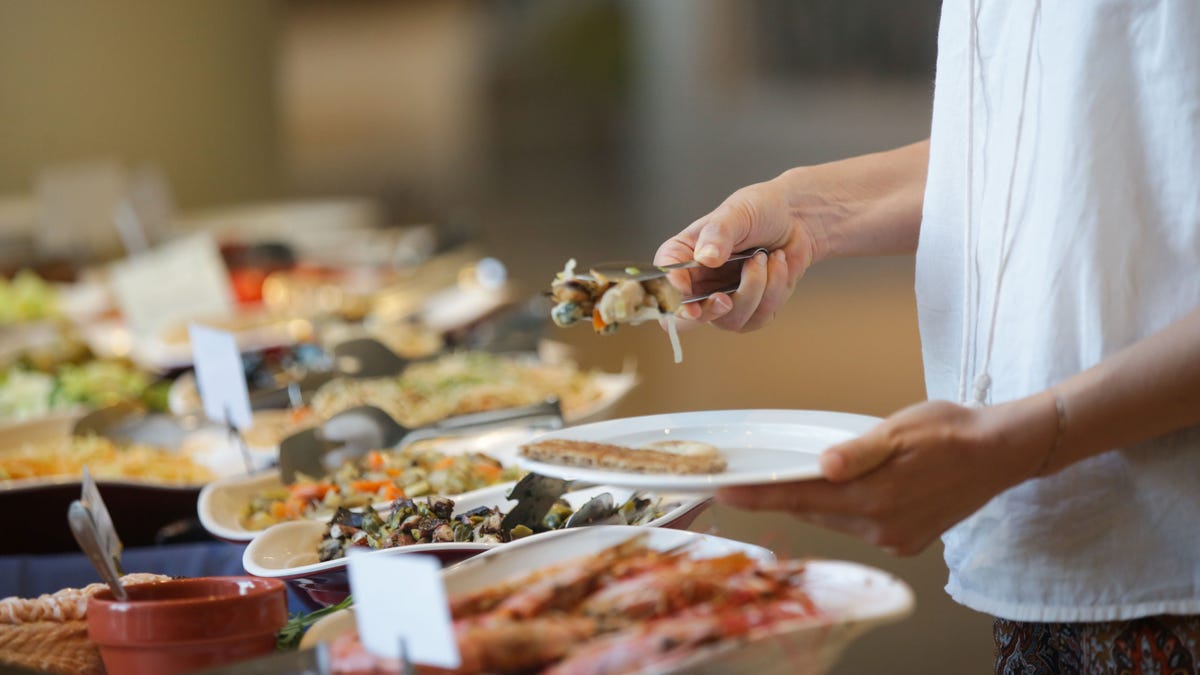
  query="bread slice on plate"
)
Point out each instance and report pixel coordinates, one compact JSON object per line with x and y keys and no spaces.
{"x":673,"y":457}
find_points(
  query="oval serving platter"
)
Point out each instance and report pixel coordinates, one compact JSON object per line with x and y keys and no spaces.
{"x":288,"y":551}
{"x":852,"y":598}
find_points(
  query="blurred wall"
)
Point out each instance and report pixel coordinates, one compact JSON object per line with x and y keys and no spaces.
{"x":383,"y":98}
{"x":189,"y":85}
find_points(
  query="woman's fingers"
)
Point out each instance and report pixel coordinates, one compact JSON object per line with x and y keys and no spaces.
{"x":676,"y":250}
{"x":704,"y":311}
{"x":776,"y":293}
{"x":749,"y":294}
{"x":809,"y":496}
{"x":856,"y":457}
{"x":722,"y":231}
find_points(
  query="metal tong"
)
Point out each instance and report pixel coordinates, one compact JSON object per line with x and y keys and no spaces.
{"x":356,"y":431}
{"x":535,"y":494}
{"x":619,"y":271}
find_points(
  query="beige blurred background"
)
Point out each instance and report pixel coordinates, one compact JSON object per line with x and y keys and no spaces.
{"x":590,"y":129}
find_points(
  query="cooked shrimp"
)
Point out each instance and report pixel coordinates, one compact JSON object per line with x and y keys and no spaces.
{"x":563,"y":586}
{"x":517,"y":646}
{"x":646,"y":644}
{"x":667,"y":590}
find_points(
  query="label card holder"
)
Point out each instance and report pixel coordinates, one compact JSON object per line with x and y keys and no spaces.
{"x":220,"y":377}
{"x":410,"y":619}
{"x":180,"y":280}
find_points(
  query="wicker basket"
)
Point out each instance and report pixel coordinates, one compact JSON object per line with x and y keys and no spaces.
{"x":50,"y":646}
{"x":49,"y":633}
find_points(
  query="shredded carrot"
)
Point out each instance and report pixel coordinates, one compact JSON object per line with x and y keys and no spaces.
{"x":393,"y":472}
{"x":305,"y":491}
{"x":294,"y":508}
{"x":279,"y":510}
{"x":368,"y":485}
{"x":443,"y":464}
{"x":597,"y":322}
{"x":376,"y":460}
{"x":391,"y":491}
{"x":489,"y":472}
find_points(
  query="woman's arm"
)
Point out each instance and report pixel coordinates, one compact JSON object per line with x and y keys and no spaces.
{"x":1146,"y":390}
{"x":927,"y":467}
{"x":868,"y":205}
{"x":862,"y":206}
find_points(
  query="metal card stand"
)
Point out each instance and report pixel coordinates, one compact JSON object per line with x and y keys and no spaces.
{"x":406,"y":666}
{"x":235,"y":435}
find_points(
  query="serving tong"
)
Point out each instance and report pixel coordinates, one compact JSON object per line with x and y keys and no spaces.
{"x":516,"y":330}
{"x":128,"y":422}
{"x":535,"y":494}
{"x":633,"y":271}
{"x":621,"y":271}
{"x":353,"y":432}
{"x":87,"y":535}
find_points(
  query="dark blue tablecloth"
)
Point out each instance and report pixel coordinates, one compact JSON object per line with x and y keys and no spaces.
{"x":29,"y":576}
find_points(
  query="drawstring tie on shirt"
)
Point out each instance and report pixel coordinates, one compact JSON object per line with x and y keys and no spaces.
{"x":983,"y":380}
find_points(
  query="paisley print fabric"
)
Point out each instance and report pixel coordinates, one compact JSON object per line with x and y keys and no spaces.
{"x":1156,"y":645}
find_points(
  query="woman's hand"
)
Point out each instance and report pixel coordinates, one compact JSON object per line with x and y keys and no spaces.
{"x":756,"y":216}
{"x":869,"y":205}
{"x":916,"y":474}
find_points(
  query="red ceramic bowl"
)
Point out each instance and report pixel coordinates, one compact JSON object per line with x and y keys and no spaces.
{"x":187,"y":624}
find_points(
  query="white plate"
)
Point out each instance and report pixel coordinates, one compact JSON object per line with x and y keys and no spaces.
{"x":289,"y":550}
{"x":760,"y":446}
{"x":852,"y":598}
{"x":222,"y":502}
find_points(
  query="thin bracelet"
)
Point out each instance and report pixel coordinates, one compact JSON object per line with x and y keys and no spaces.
{"x":1060,"y":409}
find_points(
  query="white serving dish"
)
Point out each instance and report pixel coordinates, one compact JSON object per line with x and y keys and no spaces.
{"x":852,"y":598}
{"x":288,"y":551}
{"x":222,"y":502}
{"x":208,"y":447}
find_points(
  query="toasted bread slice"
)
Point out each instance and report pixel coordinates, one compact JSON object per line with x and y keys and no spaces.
{"x":638,"y":460}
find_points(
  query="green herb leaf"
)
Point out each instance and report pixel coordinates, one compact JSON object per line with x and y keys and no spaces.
{"x":289,"y":636}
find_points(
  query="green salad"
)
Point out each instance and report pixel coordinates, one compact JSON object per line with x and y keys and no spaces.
{"x":27,"y":393}
{"x":26,"y":297}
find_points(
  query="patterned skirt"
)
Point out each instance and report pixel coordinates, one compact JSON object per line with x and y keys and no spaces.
{"x":1155,"y":645}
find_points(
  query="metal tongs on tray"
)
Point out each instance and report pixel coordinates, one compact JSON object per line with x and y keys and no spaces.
{"x":354,"y":432}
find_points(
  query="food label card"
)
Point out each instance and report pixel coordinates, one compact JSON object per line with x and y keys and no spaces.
{"x":177,"y":281}
{"x":109,"y":542}
{"x":220,"y":377}
{"x":401,"y":598}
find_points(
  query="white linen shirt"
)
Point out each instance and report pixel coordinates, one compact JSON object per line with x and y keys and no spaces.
{"x":1102,"y":249}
